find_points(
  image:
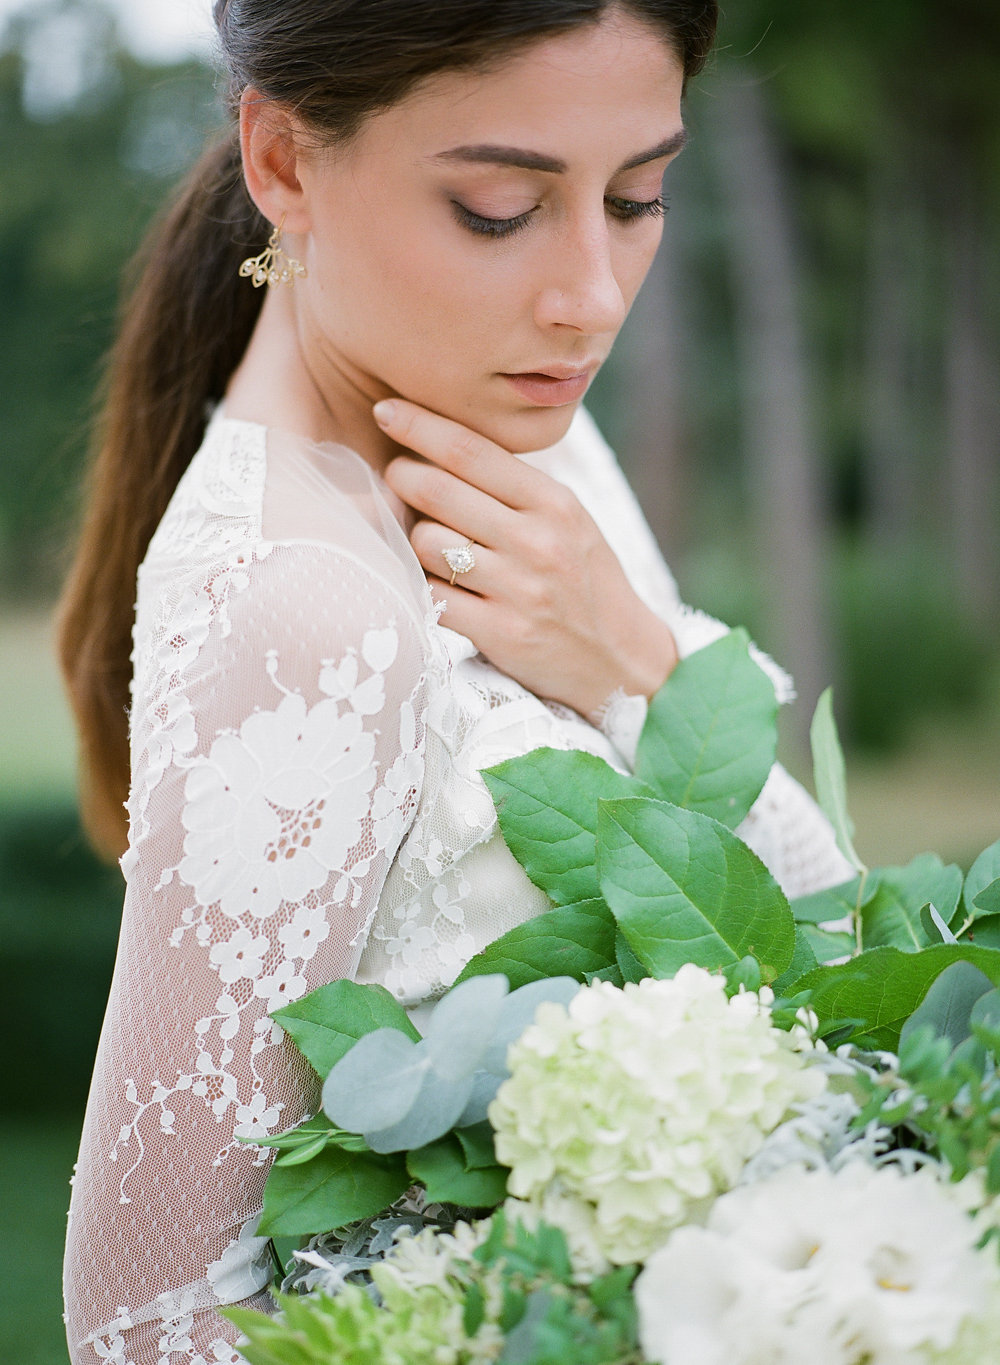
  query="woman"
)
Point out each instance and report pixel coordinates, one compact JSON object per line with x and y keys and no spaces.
{"x":461,"y":202}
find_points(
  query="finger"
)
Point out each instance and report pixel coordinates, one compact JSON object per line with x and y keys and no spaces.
{"x":444,"y":498}
{"x":471,"y":457}
{"x":430,"y":541}
{"x":464,"y":612}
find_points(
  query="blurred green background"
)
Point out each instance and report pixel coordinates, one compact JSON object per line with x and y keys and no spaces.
{"x":805,"y":398}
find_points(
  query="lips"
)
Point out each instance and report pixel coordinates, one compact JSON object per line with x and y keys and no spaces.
{"x":552,"y":385}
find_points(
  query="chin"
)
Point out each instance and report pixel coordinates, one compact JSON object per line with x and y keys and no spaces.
{"x":528,"y":430}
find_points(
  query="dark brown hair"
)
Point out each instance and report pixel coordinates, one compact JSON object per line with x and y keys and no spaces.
{"x":189,"y":317}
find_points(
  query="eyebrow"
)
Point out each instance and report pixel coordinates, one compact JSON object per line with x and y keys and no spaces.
{"x":526,"y":160}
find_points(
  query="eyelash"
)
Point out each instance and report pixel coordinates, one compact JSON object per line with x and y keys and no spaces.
{"x":626,"y":210}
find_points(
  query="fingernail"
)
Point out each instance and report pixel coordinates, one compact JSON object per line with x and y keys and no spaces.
{"x":384,"y":412}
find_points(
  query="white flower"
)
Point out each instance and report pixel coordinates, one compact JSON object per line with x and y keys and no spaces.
{"x":645,"y":1102}
{"x":307,"y":929}
{"x":240,"y":956}
{"x":275,"y":809}
{"x":281,"y":986}
{"x":862,"y":1266}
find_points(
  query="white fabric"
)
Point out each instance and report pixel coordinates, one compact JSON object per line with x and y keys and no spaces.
{"x":306,"y":805}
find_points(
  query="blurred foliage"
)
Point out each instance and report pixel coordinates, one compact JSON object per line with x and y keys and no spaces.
{"x":887,"y":121}
{"x":59,"y":916}
{"x":95,"y":153}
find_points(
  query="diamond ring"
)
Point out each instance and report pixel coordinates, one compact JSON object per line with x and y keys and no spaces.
{"x":459,"y":559}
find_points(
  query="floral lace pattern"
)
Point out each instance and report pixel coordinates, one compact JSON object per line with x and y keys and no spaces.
{"x":306,"y":805}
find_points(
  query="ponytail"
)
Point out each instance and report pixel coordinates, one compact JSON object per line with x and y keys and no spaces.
{"x":184,"y":331}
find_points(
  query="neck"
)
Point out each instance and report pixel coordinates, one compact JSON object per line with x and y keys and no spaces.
{"x":288,"y":380}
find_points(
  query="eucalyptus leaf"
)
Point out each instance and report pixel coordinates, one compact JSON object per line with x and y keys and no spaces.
{"x":464,"y":1024}
{"x":569,"y":940}
{"x":684,"y":888}
{"x":947,"y":1006}
{"x":376,"y":1083}
{"x":982,"y":874}
{"x":985,"y":932}
{"x":827,"y":945}
{"x":438,"y":1106}
{"x":547,"y":811}
{"x":835,"y":903}
{"x":326,"y":1023}
{"x":934,"y":926}
{"x":892,"y":916}
{"x":830,"y":776}
{"x":441,"y":1167}
{"x":519,"y":1010}
{"x":334,"y":1188}
{"x":885,"y":985}
{"x":709,"y":739}
{"x":987,"y":902}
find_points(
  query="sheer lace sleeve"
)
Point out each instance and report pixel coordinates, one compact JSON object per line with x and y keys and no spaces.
{"x":277,"y":735}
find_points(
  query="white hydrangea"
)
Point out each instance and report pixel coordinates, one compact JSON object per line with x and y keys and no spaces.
{"x":645,"y":1102}
{"x":860,"y":1266}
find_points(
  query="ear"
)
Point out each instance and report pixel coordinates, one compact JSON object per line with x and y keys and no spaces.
{"x":270,"y":161}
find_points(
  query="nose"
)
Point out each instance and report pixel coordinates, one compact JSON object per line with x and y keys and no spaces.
{"x":581,"y":289}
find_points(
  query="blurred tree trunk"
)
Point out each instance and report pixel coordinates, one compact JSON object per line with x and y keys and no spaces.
{"x":890,"y":416}
{"x":656,"y":435}
{"x":781,"y":465}
{"x":973,"y":409}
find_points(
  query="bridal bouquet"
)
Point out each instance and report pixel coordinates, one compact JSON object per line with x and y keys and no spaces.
{"x":675,"y":1118}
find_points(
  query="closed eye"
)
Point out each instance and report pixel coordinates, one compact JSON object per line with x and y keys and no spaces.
{"x":626,"y":210}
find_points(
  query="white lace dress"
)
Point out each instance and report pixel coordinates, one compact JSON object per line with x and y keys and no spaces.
{"x":306,"y":805}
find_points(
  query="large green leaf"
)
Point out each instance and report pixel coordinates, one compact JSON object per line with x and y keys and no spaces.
{"x":709,"y":738}
{"x":683,"y":888}
{"x":982,"y":874}
{"x":830,"y":776}
{"x":892,"y":916}
{"x":569,"y":940}
{"x":547,"y":809}
{"x":884,"y":986}
{"x":335,"y":1188}
{"x":442,"y":1167}
{"x":326,"y":1023}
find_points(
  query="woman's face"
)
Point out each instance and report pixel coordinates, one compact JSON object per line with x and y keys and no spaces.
{"x":478,"y":246}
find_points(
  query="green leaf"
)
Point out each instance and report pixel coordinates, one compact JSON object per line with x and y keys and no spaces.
{"x":803,"y":960}
{"x":885,"y":985}
{"x":334,"y":1188}
{"x":628,"y":964}
{"x":547,"y":810}
{"x":441,"y":1168}
{"x":478,"y":1147}
{"x":985,"y":932}
{"x":326,"y":1023}
{"x":684,"y":888}
{"x":983,"y":874}
{"x":987,"y":902}
{"x":835,"y":903}
{"x":709,"y":738}
{"x":826,"y":944}
{"x":830,"y":776}
{"x":947,"y":1006}
{"x":569,"y":940}
{"x":892,"y":916}
{"x":934,"y":927}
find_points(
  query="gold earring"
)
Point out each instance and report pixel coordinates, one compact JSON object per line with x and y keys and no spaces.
{"x":272,"y":266}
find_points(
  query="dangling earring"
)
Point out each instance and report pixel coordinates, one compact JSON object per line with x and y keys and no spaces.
{"x":272,"y":266}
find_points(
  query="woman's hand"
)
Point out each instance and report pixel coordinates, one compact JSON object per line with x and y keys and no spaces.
{"x":547,"y":601}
